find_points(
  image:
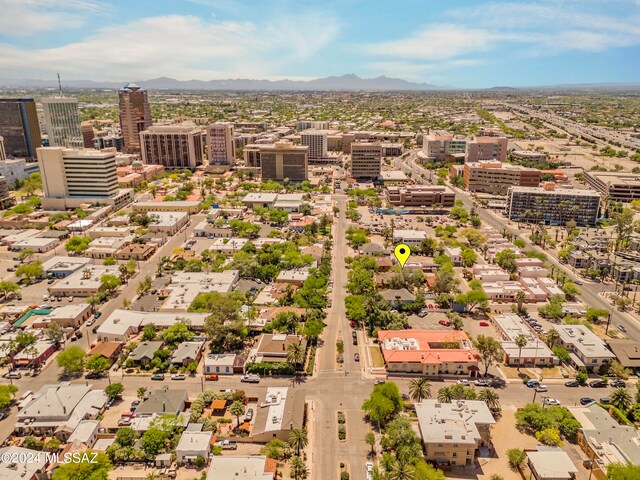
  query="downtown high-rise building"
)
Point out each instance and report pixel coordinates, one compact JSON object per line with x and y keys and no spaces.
{"x":135,"y":115}
{"x":62,"y":121}
{"x":172,"y":146}
{"x":19,"y":127}
{"x":220,"y":144}
{"x":366,"y":160}
{"x":316,"y":140}
{"x":72,"y":177}
{"x":284,"y":160}
{"x":3,"y":155}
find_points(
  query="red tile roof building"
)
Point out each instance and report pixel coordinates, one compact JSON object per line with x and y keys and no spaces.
{"x":429,"y":352}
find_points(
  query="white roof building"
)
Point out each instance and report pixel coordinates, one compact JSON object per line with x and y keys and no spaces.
{"x":192,"y":445}
{"x":410,"y":237}
{"x":122,"y":323}
{"x":227,"y":467}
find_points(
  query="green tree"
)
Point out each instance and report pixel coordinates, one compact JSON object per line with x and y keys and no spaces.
{"x":109,"y":283}
{"x":370,"y":439}
{"x":419,"y":389}
{"x":516,"y":458}
{"x":141,"y":392}
{"x":521,"y":342}
{"x":507,"y":260}
{"x":489,"y":349}
{"x":7,"y":392}
{"x":149,"y":332}
{"x":472,"y":299}
{"x":54,"y":332}
{"x":296,"y":354}
{"x":77,"y":244}
{"x":384,"y":403}
{"x":552,"y":337}
{"x":570,"y":290}
{"x":594,"y":314}
{"x":114,"y":390}
{"x":26,"y":254}
{"x":126,"y":436}
{"x":98,"y":364}
{"x":619,"y":471}
{"x":562,"y":354}
{"x":177,"y":333}
{"x":621,"y":398}
{"x":491,"y":398}
{"x":90,"y":469}
{"x":237,"y":409}
{"x":298,"y":439}
{"x":154,"y":441}
{"x":7,"y":287}
{"x":71,"y":360}
{"x":549,"y":436}
{"x":109,"y":261}
{"x":298,"y":469}
{"x":30,"y":271}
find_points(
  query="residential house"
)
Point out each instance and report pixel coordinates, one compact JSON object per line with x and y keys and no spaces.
{"x":144,"y":352}
{"x":234,"y":467}
{"x":109,"y":350}
{"x":186,"y":353}
{"x":273,"y":347}
{"x":223,"y":364}
{"x":193,"y":445}
{"x":163,"y":401}
{"x":279,"y":412}
{"x":550,"y":463}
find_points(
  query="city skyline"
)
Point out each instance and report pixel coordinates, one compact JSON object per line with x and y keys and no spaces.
{"x":500,"y":43}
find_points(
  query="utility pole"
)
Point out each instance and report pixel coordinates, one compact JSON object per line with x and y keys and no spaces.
{"x":606,"y":331}
{"x":59,"y":86}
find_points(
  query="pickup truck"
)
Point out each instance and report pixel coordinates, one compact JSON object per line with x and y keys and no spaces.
{"x":250,"y":378}
{"x":227,"y":444}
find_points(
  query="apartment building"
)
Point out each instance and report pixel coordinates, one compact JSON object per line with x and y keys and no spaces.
{"x":486,"y":148}
{"x":312,"y":125}
{"x":87,"y":134}
{"x":619,"y":187}
{"x":316,"y":140}
{"x":428,"y":352}
{"x":172,"y":146}
{"x":62,"y":121}
{"x":391,"y":149}
{"x":535,"y":352}
{"x":553,"y":207}
{"x":586,"y":349}
{"x":71,"y":178}
{"x":251,"y":154}
{"x":284,"y":160}
{"x":420,"y":195}
{"x":495,"y":177}
{"x":135,"y":115}
{"x":438,"y":146}
{"x":19,"y":127}
{"x":366,"y":160}
{"x":452,"y":433}
{"x":6,"y":199}
{"x":220,"y":144}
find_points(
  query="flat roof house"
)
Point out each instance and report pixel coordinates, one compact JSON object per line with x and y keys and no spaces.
{"x":280,"y":411}
{"x":193,"y":445}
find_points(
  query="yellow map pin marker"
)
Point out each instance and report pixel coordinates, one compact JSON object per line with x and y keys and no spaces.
{"x":402,"y":253}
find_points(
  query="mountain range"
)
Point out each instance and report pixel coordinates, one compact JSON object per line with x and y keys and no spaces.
{"x":349,"y":82}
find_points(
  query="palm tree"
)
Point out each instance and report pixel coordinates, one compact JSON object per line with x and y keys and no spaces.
{"x":370,"y":439}
{"x":419,"y":389}
{"x":152,"y":476}
{"x":237,"y":409}
{"x":520,"y":298}
{"x":552,"y":337}
{"x":298,"y":468}
{"x":402,"y":471}
{"x":445,"y":395}
{"x":521,"y":342}
{"x":295,"y":354}
{"x":621,"y":398}
{"x":491,"y":398}
{"x":298,"y":439}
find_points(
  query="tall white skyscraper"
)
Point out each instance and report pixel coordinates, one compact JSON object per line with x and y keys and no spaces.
{"x":316,"y":140}
{"x":62,"y":120}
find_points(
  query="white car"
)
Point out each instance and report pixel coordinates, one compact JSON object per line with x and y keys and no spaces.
{"x":368,"y":468}
{"x":551,"y":401}
{"x":464,"y":382}
{"x":541,"y":388}
{"x":90,"y":322}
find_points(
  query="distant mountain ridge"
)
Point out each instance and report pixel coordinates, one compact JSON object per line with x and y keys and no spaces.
{"x":348,"y":82}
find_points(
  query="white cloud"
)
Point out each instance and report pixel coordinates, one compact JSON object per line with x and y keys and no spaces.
{"x":20,"y":18}
{"x":184,"y":47}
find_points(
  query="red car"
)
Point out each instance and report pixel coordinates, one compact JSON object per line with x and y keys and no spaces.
{"x":444,"y":323}
{"x":484,"y":324}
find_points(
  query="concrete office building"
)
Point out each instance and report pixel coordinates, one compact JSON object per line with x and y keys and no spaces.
{"x":220,"y":144}
{"x":553,"y":207}
{"x":528,"y":156}
{"x":6,"y":200}
{"x":366,"y":160}
{"x":619,"y":187}
{"x":487,"y":148}
{"x":496,"y":177}
{"x":62,"y":120}
{"x":19,"y":127}
{"x":316,"y":140}
{"x":438,"y":146}
{"x":135,"y":115}
{"x":284,"y":160}
{"x":172,"y":146}
{"x":251,"y":154}
{"x":312,"y":125}
{"x":421,"y":196}
{"x":87,"y":135}
{"x":71,"y":178}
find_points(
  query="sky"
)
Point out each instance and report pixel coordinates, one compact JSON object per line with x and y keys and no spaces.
{"x":455,"y":43}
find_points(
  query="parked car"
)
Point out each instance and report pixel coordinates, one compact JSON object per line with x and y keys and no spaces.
{"x":463,"y":381}
{"x":211,"y":377}
{"x":423,"y":313}
{"x":90,"y":322}
{"x":124,"y":422}
{"x":356,"y":357}
{"x":250,"y":378}
{"x":97,"y":315}
{"x":618,"y":384}
{"x":227,"y":444}
{"x":551,"y":401}
{"x":79,"y":334}
{"x":157,"y":376}
{"x":249,"y":415}
{"x":134,"y":405}
{"x":13,"y":375}
{"x":620,"y":327}
{"x":541,"y":388}
{"x":481,"y":383}
{"x":93,"y":375}
{"x":571,"y":383}
{"x":50,"y":281}
{"x":533,"y":383}
{"x":178,"y":376}
{"x":379,"y":382}
{"x":484,"y":324}
{"x":2,"y":415}
{"x":598,"y":384}
{"x":444,"y":323}
{"x":586,"y":400}
{"x":605,"y":400}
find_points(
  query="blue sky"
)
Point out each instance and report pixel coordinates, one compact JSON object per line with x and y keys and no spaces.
{"x":459,"y":43}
